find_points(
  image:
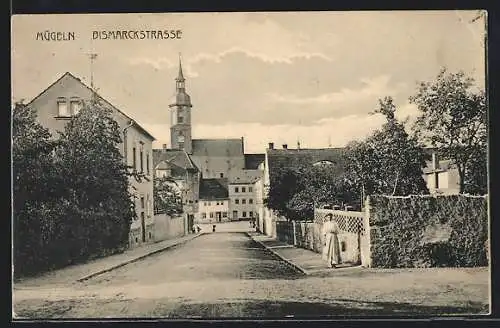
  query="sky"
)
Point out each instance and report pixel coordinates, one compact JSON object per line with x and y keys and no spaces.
{"x":312,"y":77}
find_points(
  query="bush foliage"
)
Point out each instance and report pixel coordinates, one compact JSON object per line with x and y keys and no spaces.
{"x":399,"y":226}
{"x":71,"y":198}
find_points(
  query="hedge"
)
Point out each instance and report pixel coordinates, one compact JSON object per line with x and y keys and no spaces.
{"x":429,"y":231}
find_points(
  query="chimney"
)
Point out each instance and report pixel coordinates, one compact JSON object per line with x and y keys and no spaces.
{"x":271,"y":145}
{"x":285,"y":146}
{"x":435,"y":162}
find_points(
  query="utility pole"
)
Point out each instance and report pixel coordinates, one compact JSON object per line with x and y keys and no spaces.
{"x":92,"y":57}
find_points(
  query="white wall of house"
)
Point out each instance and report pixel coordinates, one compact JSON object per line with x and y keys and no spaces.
{"x":212,"y":210}
{"x":243,"y":202}
{"x":448,"y":182}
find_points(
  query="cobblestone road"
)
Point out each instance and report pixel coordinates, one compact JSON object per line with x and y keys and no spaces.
{"x":217,"y":256}
{"x":226,"y":274}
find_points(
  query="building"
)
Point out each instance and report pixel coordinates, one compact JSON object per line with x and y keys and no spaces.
{"x":214,"y":201}
{"x":213,"y":167}
{"x":63,"y":99}
{"x":242,"y":196}
{"x":286,"y":157}
{"x":441,"y":176}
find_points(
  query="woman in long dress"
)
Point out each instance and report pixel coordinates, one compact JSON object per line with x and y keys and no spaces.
{"x":331,"y":250}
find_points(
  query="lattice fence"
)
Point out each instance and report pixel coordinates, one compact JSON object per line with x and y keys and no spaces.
{"x":348,"y":221}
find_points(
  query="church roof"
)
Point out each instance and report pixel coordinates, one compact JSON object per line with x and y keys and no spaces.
{"x":252,"y":161}
{"x":213,"y":189}
{"x":218,"y":147}
{"x":175,"y":157}
{"x":297,"y":157}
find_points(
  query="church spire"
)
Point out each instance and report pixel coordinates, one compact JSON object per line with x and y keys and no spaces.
{"x":180,"y":77}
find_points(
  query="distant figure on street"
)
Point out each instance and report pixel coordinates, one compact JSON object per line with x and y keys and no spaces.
{"x":198,"y":229}
{"x":193,"y":229}
{"x":213,"y":228}
{"x":331,"y":250}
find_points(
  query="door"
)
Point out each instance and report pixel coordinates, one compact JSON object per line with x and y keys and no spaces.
{"x":143,"y":226}
{"x":218,"y":216}
{"x":235,"y":215}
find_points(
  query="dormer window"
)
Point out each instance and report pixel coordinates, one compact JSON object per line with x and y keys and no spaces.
{"x":62,"y":108}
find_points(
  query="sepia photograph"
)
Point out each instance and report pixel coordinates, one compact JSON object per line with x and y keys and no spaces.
{"x":255,"y":165}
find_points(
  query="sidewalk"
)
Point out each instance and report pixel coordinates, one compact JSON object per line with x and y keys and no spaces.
{"x":304,"y":260}
{"x":81,"y":272}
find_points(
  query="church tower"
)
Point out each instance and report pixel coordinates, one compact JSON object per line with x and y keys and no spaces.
{"x":180,"y":109}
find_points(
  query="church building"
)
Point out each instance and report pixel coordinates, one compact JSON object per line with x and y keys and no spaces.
{"x":209,"y":166}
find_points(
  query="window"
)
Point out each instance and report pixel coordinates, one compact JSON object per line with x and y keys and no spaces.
{"x":211,"y":215}
{"x":75,"y":106}
{"x":224,"y":214}
{"x":244,"y":214}
{"x":243,"y":201}
{"x":249,"y":189}
{"x":180,"y":119}
{"x":62,"y":108}
{"x":142,"y":201}
{"x":343,"y":246}
{"x":222,"y":175}
{"x":236,"y":189}
{"x":250,"y":201}
{"x":251,"y":214}
{"x":147,"y":164}
{"x":134,"y":159}
{"x":203,"y":215}
{"x":236,"y":201}
{"x":222,"y":202}
{"x":217,"y":203}
{"x":141,"y":161}
{"x":208,"y":203}
{"x":243,"y":189}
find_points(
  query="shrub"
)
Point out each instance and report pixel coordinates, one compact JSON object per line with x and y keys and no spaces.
{"x":402,"y":226}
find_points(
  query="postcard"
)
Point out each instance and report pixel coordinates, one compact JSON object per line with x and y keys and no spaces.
{"x":261,"y":165}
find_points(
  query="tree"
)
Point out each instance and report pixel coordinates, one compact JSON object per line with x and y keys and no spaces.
{"x":167,"y":196}
{"x":389,"y":161}
{"x":320,"y":185}
{"x":453,"y":119}
{"x":99,"y":205}
{"x":284,"y":183}
{"x":33,"y":186}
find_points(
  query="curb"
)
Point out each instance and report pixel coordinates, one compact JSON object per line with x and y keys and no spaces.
{"x":91,"y":275}
{"x":304,"y":271}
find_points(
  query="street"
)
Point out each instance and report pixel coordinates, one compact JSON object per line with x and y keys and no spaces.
{"x":227,"y":274}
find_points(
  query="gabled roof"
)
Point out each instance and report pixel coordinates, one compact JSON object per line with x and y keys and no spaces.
{"x":68,"y":74}
{"x":218,"y":147}
{"x":213,"y":189}
{"x":298,"y":157}
{"x":163,"y":165}
{"x":252,"y":161}
{"x":175,"y":157}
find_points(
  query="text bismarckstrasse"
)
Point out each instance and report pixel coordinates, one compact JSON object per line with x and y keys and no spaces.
{"x":112,"y":35}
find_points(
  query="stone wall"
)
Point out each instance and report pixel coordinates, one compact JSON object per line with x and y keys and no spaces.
{"x":166,"y":227}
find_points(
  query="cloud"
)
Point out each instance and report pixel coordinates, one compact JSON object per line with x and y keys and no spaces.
{"x":158,"y":63}
{"x":373,"y":87}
